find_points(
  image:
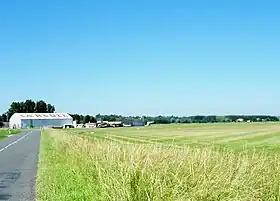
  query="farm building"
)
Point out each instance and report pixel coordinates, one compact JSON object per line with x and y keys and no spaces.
{"x":40,"y":120}
{"x":133,"y":123}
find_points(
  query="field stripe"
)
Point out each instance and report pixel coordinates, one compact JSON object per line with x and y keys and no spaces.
{"x":242,"y":137}
{"x":144,"y":141}
{"x":228,"y":136}
{"x":268,"y":141}
{"x":116,"y":140}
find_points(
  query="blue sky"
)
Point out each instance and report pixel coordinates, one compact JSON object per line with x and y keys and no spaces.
{"x":142,"y":57}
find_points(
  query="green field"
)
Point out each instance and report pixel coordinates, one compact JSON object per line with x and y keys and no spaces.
{"x":238,"y":161}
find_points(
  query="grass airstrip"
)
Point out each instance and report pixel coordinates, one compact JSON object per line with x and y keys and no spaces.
{"x":238,"y":161}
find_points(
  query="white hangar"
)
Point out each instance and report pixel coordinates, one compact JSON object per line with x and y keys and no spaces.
{"x":39,"y":120}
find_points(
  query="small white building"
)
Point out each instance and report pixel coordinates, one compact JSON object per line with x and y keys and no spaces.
{"x":40,"y":120}
{"x":240,"y":120}
{"x":90,"y":125}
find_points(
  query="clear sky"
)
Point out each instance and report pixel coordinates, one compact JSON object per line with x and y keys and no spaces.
{"x":181,"y":57}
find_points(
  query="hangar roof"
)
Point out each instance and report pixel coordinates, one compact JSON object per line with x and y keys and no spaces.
{"x":42,"y":115}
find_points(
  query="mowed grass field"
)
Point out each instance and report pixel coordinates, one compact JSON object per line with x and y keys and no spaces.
{"x":239,"y":161}
{"x":237,"y":136}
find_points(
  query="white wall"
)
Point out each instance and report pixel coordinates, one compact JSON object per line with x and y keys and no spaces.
{"x":15,"y":121}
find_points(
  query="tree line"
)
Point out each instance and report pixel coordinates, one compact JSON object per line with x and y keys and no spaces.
{"x":175,"y":119}
{"x":28,"y":106}
{"x":40,"y":106}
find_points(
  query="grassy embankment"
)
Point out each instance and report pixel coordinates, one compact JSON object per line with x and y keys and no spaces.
{"x":5,"y":133}
{"x":157,"y":163}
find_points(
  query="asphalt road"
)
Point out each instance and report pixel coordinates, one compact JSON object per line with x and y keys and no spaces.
{"x":18,"y":166}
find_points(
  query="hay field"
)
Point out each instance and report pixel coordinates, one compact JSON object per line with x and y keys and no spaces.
{"x":161,"y":162}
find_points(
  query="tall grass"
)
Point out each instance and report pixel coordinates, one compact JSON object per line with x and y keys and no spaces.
{"x":77,"y":168}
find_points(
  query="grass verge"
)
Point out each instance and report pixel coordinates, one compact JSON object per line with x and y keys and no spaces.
{"x":78,"y":168}
{"x":5,"y":133}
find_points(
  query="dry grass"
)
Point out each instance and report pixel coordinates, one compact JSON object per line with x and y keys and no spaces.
{"x":78,"y":168}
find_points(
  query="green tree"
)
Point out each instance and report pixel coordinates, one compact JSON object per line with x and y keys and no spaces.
{"x":41,"y":107}
{"x":14,"y":108}
{"x":92,"y":119}
{"x":86,"y":119}
{"x":50,"y":108}
{"x":4,"y":117}
{"x":30,"y":106}
{"x":76,"y":117}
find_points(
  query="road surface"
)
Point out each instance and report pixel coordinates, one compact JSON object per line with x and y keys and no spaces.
{"x":18,"y":166}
